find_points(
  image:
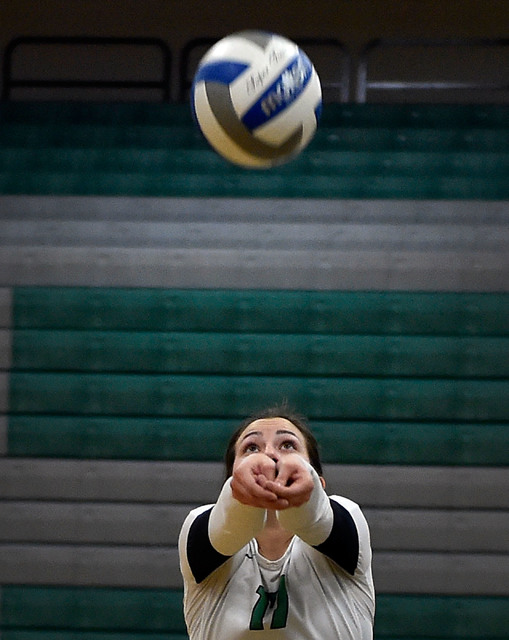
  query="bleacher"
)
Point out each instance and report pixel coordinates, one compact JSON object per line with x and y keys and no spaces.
{"x":152,"y":295}
{"x":360,"y":151}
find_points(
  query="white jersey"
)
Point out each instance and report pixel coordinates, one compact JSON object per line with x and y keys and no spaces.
{"x":318,"y":591}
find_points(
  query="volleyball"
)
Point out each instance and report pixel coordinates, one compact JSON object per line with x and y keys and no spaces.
{"x":257,"y":98}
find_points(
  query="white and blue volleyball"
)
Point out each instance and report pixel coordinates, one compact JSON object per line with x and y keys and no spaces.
{"x":257,"y":98}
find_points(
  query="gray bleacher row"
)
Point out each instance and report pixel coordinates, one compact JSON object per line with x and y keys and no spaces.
{"x":254,"y":243}
{"x":5,"y":362}
{"x":116,"y":523}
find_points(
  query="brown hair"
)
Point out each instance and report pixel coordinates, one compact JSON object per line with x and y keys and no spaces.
{"x":279,"y":411}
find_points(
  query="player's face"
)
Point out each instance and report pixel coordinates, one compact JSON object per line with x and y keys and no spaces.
{"x":275,"y":437}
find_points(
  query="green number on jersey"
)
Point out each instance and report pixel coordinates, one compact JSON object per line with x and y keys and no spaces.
{"x":280,"y":615}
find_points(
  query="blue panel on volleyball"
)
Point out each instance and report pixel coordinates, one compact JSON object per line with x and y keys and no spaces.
{"x":223,"y":72}
{"x":285,"y":90}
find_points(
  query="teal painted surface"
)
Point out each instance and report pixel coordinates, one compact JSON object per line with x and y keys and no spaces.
{"x":359,"y":151}
{"x":91,"y":611}
{"x":386,"y":378}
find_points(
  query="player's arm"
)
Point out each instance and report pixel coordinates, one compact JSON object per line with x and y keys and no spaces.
{"x":233,"y":523}
{"x":348,"y":543}
{"x":211,"y":534}
{"x":310,"y":515}
{"x":240,"y":512}
{"x":334,"y":526}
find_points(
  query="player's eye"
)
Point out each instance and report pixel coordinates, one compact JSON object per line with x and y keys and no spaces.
{"x":251,"y":447}
{"x":288,"y":445}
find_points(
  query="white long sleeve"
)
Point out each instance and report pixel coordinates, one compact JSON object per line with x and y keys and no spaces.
{"x":312,"y":521}
{"x":233,"y":524}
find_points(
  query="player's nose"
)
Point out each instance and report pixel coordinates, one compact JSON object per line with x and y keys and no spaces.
{"x":271,"y":451}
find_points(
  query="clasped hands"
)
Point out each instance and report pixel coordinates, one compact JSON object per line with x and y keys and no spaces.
{"x":260,"y":481}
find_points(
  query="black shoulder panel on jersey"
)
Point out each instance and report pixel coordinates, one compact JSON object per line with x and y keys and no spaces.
{"x":201,"y":555}
{"x":342,"y":545}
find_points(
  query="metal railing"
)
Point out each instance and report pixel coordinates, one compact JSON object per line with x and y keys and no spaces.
{"x":10,"y":82}
{"x":340,"y":81}
{"x":477,"y":84}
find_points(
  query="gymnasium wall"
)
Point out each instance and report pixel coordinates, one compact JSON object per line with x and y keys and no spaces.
{"x":354,"y":22}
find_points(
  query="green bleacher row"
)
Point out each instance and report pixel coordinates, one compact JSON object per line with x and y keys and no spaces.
{"x":246,"y":186}
{"x":259,"y":311}
{"x":359,"y":151}
{"x":434,"y":116}
{"x":73,"y":138}
{"x":149,"y":414}
{"x":341,"y":441}
{"x":254,"y":184}
{"x":166,"y":141}
{"x":38,"y":613}
{"x":260,"y":354}
{"x":404,"y":378}
{"x":232,"y":396}
{"x":317,"y":163}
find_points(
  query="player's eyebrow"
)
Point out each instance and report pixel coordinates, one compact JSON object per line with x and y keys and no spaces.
{"x":251,"y":433}
{"x":279,"y":432}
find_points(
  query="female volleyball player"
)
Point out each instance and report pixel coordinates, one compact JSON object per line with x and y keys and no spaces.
{"x":275,"y":557}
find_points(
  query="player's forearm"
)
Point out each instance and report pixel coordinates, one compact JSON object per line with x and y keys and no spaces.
{"x":312,"y":521}
{"x":233,"y":524}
